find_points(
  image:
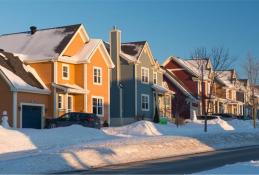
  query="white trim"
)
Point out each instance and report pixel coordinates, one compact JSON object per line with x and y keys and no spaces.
{"x":14,"y":109}
{"x":62,"y":102}
{"x":154,"y":73}
{"x":72,"y":103}
{"x":145,"y":95}
{"x":85,"y":87}
{"x":102,"y":98}
{"x":78,"y":30}
{"x":109,"y":97}
{"x":101,"y":76}
{"x":68,"y":71}
{"x":34,"y":104}
{"x":55,"y":67}
{"x":145,"y":69}
{"x":136,"y":91}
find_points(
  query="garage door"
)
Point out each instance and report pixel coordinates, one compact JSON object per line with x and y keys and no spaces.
{"x":31,"y":116}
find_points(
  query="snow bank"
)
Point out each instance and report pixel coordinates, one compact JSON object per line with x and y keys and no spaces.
{"x":76,"y":147}
{"x":46,"y":139}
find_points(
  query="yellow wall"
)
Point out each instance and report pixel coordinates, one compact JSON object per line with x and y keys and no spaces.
{"x":98,"y":90}
{"x":76,"y":74}
{"x":76,"y":44}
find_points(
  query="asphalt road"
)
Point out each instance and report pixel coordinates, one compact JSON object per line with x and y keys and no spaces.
{"x":181,"y":164}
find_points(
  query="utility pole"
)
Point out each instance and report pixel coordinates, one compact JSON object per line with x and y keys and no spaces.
{"x":254,"y":108}
{"x":202,"y":97}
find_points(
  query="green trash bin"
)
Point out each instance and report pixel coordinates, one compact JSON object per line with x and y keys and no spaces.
{"x":163,"y":121}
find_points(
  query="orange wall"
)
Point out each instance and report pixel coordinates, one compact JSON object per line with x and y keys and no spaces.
{"x":76,"y":74}
{"x":98,"y":90}
{"x":23,"y":97}
{"x":76,"y":44}
{"x":6,"y":100}
{"x":45,"y":71}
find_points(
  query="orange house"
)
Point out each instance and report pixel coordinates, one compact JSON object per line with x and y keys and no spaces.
{"x":74,"y":71}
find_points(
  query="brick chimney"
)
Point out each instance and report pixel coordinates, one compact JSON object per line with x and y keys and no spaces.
{"x":33,"y":29}
{"x":115,"y":49}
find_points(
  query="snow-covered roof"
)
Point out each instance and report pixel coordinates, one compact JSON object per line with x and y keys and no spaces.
{"x":161,"y":89}
{"x":43,"y":44}
{"x":225,"y":76}
{"x":179,"y":84}
{"x":192,"y":65}
{"x":130,"y":51}
{"x":70,"y":88}
{"x":21,"y":77}
{"x":84,"y":53}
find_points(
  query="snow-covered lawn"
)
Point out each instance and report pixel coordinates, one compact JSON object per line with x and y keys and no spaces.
{"x":77,"y":147}
{"x":251,"y":167}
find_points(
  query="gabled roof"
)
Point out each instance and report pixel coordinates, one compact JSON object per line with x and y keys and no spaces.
{"x":130,"y":51}
{"x":192,"y":65}
{"x":85,"y":53}
{"x":44,"y":43}
{"x":19,"y":76}
{"x":225,"y":76}
{"x":178,"y":83}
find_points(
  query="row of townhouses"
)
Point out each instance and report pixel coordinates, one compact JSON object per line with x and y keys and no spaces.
{"x":48,"y":72}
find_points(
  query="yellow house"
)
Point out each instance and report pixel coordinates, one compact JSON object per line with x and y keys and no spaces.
{"x":74,"y":71}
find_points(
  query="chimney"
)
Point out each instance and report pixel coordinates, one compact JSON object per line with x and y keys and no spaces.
{"x":115,"y":49}
{"x":33,"y":29}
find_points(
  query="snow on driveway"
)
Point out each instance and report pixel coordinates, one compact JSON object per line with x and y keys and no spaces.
{"x":76,"y":147}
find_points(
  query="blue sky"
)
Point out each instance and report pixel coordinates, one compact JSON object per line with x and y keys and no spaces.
{"x":171,"y":27}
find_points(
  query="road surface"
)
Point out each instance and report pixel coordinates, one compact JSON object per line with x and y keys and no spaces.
{"x":181,"y":164}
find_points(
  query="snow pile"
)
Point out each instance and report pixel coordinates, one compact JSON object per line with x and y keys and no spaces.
{"x":251,"y":167}
{"x":46,"y":139}
{"x":141,"y":128}
{"x":77,"y":147}
{"x":218,"y":121}
{"x":147,"y":128}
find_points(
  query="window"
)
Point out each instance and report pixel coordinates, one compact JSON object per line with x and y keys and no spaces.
{"x":155,"y":78}
{"x":144,"y":75}
{"x":208,"y":88}
{"x":65,"y":71}
{"x":98,"y":106}
{"x":145,"y":102}
{"x":60,"y":102}
{"x":69,"y":103}
{"x":97,"y":75}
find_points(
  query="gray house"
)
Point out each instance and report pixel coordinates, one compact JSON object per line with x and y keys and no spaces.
{"x":137,"y":86}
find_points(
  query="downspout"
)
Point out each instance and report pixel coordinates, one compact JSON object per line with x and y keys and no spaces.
{"x":15,"y":109}
{"x":54,"y":89}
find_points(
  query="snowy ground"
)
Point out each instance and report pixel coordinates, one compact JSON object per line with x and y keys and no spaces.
{"x":251,"y":167}
{"x":76,"y":147}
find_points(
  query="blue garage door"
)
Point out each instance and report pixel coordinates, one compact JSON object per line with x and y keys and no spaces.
{"x":31,"y":117}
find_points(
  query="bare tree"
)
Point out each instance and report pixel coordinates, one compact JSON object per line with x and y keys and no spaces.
{"x":252,"y":71}
{"x":220,"y":60}
{"x":178,"y":103}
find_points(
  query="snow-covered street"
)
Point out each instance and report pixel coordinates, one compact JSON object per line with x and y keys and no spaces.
{"x":251,"y":167}
{"x":76,"y":147}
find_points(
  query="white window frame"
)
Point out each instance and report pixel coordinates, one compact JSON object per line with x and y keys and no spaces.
{"x":208,"y":88}
{"x":142,"y":74}
{"x":62,"y":102}
{"x":68,"y":72}
{"x":102,"y":98}
{"x":154,"y":77}
{"x":71,"y":109}
{"x":101,"y":77}
{"x":148,"y":102}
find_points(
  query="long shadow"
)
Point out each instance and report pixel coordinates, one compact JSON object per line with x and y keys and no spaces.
{"x":51,"y":152}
